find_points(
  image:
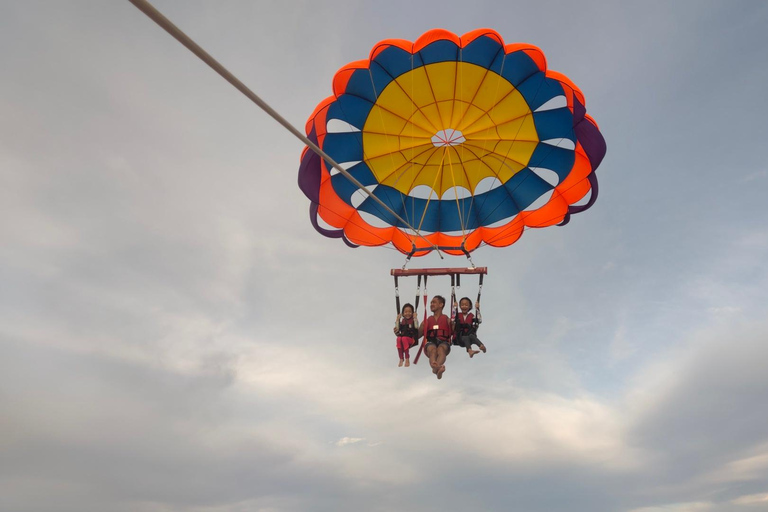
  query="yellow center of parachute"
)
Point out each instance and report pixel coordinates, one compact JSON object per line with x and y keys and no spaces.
{"x":448,"y":124}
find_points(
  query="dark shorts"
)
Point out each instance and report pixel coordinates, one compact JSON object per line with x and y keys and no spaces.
{"x":437,"y":343}
{"x":467,"y":340}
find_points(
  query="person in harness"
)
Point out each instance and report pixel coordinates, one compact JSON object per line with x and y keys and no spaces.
{"x":407,"y":331}
{"x":465,"y":326}
{"x":437,"y":329}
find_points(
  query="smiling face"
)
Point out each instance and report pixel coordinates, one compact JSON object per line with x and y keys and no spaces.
{"x":465,"y":305}
{"x":407,"y":312}
{"x":437,"y":304}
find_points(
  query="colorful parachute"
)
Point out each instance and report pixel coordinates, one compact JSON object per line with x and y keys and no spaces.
{"x":467,"y":139}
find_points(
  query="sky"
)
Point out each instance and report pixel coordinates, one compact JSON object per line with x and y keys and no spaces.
{"x":175,"y":336}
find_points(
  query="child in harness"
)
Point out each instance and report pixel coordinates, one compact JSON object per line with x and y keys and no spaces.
{"x":407,"y":331}
{"x":465,"y":326}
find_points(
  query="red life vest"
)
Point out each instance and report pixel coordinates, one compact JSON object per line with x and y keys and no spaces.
{"x":466,"y":325}
{"x":406,"y":328}
{"x":437,"y":328}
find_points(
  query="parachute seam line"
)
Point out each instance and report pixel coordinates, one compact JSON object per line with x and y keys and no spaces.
{"x":481,"y":221}
{"x":373,"y":103}
{"x":394,"y":114}
{"x":471,"y":101}
{"x":436,"y":149}
{"x":155,"y":15}
{"x":364,"y":161}
{"x":538,"y":90}
{"x":384,"y":155}
{"x":381,"y":214}
{"x":407,"y":121}
{"x":496,"y":93}
{"x":487,"y":113}
{"x":439,"y":173}
{"x":504,"y":156}
{"x":453,"y":102}
{"x":504,"y":163}
{"x":433,"y":149}
{"x":498,"y":85}
{"x":381,"y":115}
{"x":413,"y":102}
{"x":559,"y":192}
{"x":367,"y":159}
{"x":431,"y":90}
{"x":549,"y":152}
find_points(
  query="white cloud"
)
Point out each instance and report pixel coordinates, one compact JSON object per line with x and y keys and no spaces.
{"x":695,"y":506}
{"x":349,"y":440}
{"x":751,"y":499}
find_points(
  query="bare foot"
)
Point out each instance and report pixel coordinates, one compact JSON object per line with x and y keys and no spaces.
{"x":400,"y":363}
{"x":472,"y":353}
{"x":434,"y":365}
{"x":440,"y":372}
{"x":482,"y":347}
{"x":407,"y":362}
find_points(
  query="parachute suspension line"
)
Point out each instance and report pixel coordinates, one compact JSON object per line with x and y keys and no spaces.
{"x":423,"y":324}
{"x":437,"y":175}
{"x":156,"y":16}
{"x":456,"y":193}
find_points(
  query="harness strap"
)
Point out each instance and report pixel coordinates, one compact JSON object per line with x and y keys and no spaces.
{"x":423,"y":343}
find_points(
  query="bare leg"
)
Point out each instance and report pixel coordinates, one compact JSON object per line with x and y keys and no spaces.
{"x":442,"y":355}
{"x":478,"y":343}
{"x":431,"y":352}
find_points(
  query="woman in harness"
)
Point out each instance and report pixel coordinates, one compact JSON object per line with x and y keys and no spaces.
{"x":466,"y":324}
{"x":437,"y":329}
{"x":407,"y":331}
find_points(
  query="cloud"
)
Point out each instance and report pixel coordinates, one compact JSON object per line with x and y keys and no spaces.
{"x":349,"y":440}
{"x":174,"y":337}
{"x":696,"y":506}
{"x":751,"y":499}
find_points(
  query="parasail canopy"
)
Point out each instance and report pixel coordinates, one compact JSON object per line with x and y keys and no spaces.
{"x":467,"y":139}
